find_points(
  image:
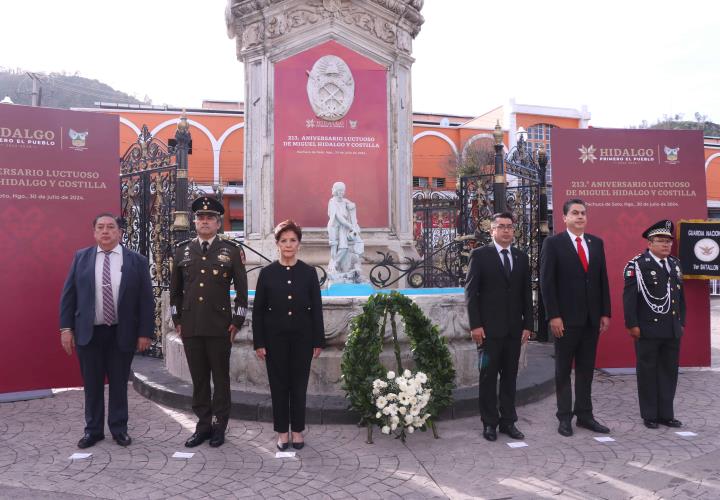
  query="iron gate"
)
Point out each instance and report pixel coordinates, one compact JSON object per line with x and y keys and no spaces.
{"x":435,"y":230}
{"x":523,"y":192}
{"x":148,"y":172}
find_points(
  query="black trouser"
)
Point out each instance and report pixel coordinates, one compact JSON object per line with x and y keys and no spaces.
{"x":209,"y":357}
{"x":499,"y":356}
{"x":288,"y":365}
{"x":657,"y":374}
{"x":578,"y":344}
{"x":100,"y":358}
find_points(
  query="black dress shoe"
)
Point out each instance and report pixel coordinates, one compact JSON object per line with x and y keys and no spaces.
{"x":489,"y":432}
{"x":670,"y":422}
{"x":89,"y":439}
{"x":298,"y":446}
{"x":565,"y":428}
{"x":197,"y":439}
{"x":511,"y":431}
{"x":122,"y":438}
{"x":217,"y":438}
{"x":650,"y":424}
{"x":282,"y":446}
{"x":593,"y":425}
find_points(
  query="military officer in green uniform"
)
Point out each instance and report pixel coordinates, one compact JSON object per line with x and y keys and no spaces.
{"x":203,"y":270}
{"x":654,"y":305}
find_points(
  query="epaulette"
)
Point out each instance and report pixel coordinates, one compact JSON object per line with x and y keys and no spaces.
{"x":181,"y":243}
{"x":228,"y":239}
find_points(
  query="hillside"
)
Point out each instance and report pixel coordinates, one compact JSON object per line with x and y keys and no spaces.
{"x":59,"y":90}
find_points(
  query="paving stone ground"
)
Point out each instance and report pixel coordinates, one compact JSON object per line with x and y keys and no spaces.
{"x":38,"y":436}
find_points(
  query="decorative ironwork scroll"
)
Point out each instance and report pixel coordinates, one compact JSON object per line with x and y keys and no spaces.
{"x":147,"y":189}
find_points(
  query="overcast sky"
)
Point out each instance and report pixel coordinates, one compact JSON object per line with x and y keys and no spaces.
{"x":628,"y":60}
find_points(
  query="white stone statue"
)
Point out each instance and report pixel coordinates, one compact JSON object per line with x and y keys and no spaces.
{"x":346,"y":245}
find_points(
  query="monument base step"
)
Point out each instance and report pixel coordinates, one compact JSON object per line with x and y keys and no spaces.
{"x":152,"y":380}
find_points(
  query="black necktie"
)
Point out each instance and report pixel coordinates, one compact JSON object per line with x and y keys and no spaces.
{"x":662,"y":264}
{"x":205,"y":246}
{"x":506,"y":262}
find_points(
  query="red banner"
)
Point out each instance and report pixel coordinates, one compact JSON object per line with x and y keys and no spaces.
{"x":330,"y":125}
{"x":58,"y":169}
{"x":631,"y":179}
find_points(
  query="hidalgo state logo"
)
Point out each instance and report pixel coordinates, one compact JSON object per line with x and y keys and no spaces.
{"x":671,"y":153}
{"x":77,"y":139}
{"x":330,"y":88}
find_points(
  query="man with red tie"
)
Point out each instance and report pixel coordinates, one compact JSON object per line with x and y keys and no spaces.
{"x":574,"y":285}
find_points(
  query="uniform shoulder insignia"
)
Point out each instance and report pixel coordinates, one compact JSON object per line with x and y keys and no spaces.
{"x":629,"y":270}
{"x":181,"y":243}
{"x":229,"y":240}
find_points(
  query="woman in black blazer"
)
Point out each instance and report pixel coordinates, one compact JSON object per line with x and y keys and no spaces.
{"x":288,"y":331}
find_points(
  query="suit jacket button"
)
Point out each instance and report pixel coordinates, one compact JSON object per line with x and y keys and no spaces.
{"x":289,"y":297}
{"x":655,"y":320}
{"x":200,"y":299}
{"x":289,"y":313}
{"x":202,"y":284}
{"x":202,"y":271}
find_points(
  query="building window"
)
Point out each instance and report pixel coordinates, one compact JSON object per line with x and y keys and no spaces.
{"x":237,"y":225}
{"x":438,"y":182}
{"x":540,"y":134}
{"x":421,"y":182}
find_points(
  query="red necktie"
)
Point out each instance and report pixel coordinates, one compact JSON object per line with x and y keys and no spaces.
{"x":581,"y":253}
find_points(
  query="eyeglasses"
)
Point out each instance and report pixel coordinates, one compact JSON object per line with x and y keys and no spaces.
{"x":504,"y":227}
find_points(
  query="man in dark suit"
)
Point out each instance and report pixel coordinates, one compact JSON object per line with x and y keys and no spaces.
{"x":498,"y":295}
{"x":106,"y":313}
{"x":654,"y":305}
{"x":574,"y":284}
{"x":202,"y":272}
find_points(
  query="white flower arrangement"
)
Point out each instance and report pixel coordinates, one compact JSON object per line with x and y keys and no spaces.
{"x":400,"y":401}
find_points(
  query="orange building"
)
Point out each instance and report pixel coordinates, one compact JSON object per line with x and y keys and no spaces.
{"x":439,"y":143}
{"x":217,"y":150}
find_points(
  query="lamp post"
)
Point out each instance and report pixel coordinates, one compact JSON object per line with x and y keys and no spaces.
{"x":219,"y":189}
{"x":544,"y":231}
{"x":499,"y":179}
{"x":181,"y":218}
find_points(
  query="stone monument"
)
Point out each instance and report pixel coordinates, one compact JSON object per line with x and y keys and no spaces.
{"x":328,"y":96}
{"x":327,"y":92}
{"x":346,"y":245}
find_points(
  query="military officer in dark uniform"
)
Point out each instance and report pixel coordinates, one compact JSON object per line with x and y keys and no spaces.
{"x":203,"y":269}
{"x":655,"y":316}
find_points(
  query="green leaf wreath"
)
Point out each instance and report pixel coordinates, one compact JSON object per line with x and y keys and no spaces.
{"x":361,"y":358}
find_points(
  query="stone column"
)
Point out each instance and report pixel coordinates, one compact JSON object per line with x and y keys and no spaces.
{"x":268,"y":31}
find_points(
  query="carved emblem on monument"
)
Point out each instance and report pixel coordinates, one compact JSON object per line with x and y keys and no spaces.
{"x":330,"y":88}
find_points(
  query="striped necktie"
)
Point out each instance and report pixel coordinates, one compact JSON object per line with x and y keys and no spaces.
{"x":107,"y":292}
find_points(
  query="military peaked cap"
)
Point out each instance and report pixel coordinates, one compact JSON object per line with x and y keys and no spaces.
{"x":207,"y":205}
